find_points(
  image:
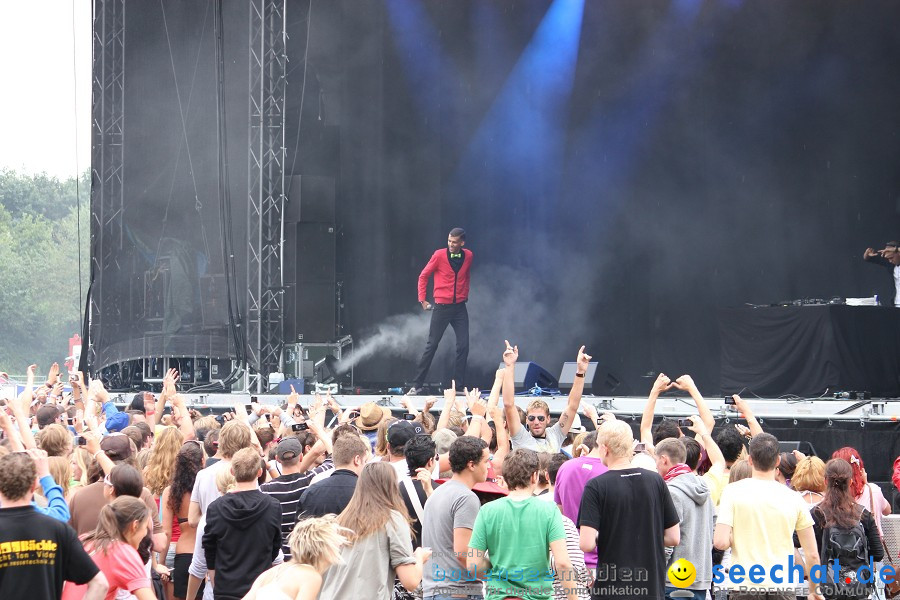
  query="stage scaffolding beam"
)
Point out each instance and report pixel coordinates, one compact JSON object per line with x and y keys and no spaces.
{"x":108,"y":133}
{"x":266,"y":157}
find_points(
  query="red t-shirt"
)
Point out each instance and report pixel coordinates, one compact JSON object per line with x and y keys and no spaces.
{"x":123,"y":569}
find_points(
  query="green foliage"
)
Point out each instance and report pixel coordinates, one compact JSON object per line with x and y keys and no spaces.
{"x":40,"y":306}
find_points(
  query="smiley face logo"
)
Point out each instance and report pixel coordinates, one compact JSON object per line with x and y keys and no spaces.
{"x":682,"y":573}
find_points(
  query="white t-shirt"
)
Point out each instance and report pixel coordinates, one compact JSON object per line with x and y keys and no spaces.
{"x":551,"y":442}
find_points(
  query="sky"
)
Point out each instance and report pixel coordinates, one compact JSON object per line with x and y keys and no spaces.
{"x":46,"y":99}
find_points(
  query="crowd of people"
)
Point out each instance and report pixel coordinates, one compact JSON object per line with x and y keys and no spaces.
{"x":485,"y":501}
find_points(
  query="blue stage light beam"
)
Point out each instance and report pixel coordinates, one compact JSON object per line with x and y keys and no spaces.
{"x":606,"y":151}
{"x":516,"y":155}
{"x":431,"y":75}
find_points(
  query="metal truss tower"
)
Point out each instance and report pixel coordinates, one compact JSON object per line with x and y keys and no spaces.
{"x":108,"y":130}
{"x":268,"y":61}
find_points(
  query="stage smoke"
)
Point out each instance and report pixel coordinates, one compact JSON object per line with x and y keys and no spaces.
{"x":400,"y":335}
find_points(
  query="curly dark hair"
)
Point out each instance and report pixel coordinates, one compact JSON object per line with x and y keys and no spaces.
{"x":188,"y":462}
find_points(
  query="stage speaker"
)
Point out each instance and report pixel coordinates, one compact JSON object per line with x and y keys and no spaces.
{"x":530,"y":374}
{"x":310,"y":199}
{"x":313,"y":313}
{"x":310,"y":300}
{"x":597,"y":380}
{"x":315,"y":259}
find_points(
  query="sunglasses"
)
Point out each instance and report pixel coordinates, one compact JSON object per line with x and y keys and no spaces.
{"x":540,"y":418}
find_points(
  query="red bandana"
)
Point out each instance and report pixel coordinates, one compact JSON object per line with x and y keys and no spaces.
{"x":679,"y":469}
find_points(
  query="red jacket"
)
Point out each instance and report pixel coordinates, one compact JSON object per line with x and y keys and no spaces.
{"x":449,"y":287}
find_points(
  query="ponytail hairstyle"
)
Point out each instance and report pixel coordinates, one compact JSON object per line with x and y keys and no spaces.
{"x":839,"y":507}
{"x":855,"y":460}
{"x":115,"y":519}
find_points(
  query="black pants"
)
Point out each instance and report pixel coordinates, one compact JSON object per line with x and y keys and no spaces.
{"x":457,"y":317}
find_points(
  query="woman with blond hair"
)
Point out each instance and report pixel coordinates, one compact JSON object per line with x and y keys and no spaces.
{"x":81,"y":466}
{"x":61,"y":471}
{"x":380,"y":541}
{"x":113,"y":545}
{"x":809,"y":479}
{"x":315,"y":546}
{"x":161,"y":464}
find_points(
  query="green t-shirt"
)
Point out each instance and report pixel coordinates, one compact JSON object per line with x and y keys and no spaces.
{"x":517,"y":536}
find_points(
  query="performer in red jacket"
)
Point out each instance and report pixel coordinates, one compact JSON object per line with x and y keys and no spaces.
{"x":450,"y":266}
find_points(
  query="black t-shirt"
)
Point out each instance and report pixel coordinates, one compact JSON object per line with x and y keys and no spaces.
{"x":630,"y":509}
{"x":37,"y":554}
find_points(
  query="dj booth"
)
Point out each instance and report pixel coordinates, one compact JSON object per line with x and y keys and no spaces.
{"x":810,"y":350}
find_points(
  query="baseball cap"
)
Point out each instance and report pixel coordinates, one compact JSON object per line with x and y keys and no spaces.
{"x":288,"y":448}
{"x":400,"y":432}
{"x":117,"y":446}
{"x":47,"y":415}
{"x":117,"y":422}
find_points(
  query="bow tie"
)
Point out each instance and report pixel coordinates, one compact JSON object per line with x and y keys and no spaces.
{"x":455,"y":255}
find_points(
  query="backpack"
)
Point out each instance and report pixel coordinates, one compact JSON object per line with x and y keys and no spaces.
{"x":850,"y":546}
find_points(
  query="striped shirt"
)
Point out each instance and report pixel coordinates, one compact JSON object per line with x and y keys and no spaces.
{"x":287,"y":489}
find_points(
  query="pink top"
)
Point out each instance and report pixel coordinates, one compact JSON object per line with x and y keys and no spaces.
{"x":878,"y":502}
{"x":123,"y":569}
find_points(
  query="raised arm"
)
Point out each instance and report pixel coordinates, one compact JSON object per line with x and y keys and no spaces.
{"x":502,"y":439}
{"x":494,"y":397}
{"x":745,"y":410}
{"x":449,"y":401}
{"x":686,"y":383}
{"x":92,"y":444}
{"x":661,"y":384}
{"x":510,"y":356}
{"x":182,"y":417}
{"x":712,"y":449}
{"x":568,"y":415}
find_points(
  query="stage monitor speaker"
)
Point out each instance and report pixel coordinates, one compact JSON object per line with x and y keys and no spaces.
{"x":310,"y":200}
{"x":530,"y":374}
{"x":597,"y":380}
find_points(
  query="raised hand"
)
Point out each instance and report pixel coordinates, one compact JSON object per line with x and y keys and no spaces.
{"x":510,"y":355}
{"x":429,"y":402}
{"x":53,"y":376}
{"x":589,"y":411}
{"x":661,"y":384}
{"x":472,"y":396}
{"x":697,"y":426}
{"x":583,"y":360}
{"x":29,"y":382}
{"x":478,"y":407}
{"x":99,"y":392}
{"x":450,"y":394}
{"x":685,"y":382}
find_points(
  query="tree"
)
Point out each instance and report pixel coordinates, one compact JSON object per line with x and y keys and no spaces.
{"x":40,"y":307}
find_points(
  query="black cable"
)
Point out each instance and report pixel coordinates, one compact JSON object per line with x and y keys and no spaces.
{"x":302,"y":88}
{"x":225,"y":197}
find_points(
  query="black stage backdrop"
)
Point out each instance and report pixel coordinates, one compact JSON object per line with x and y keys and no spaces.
{"x":622,"y":169}
{"x":708,"y":155}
